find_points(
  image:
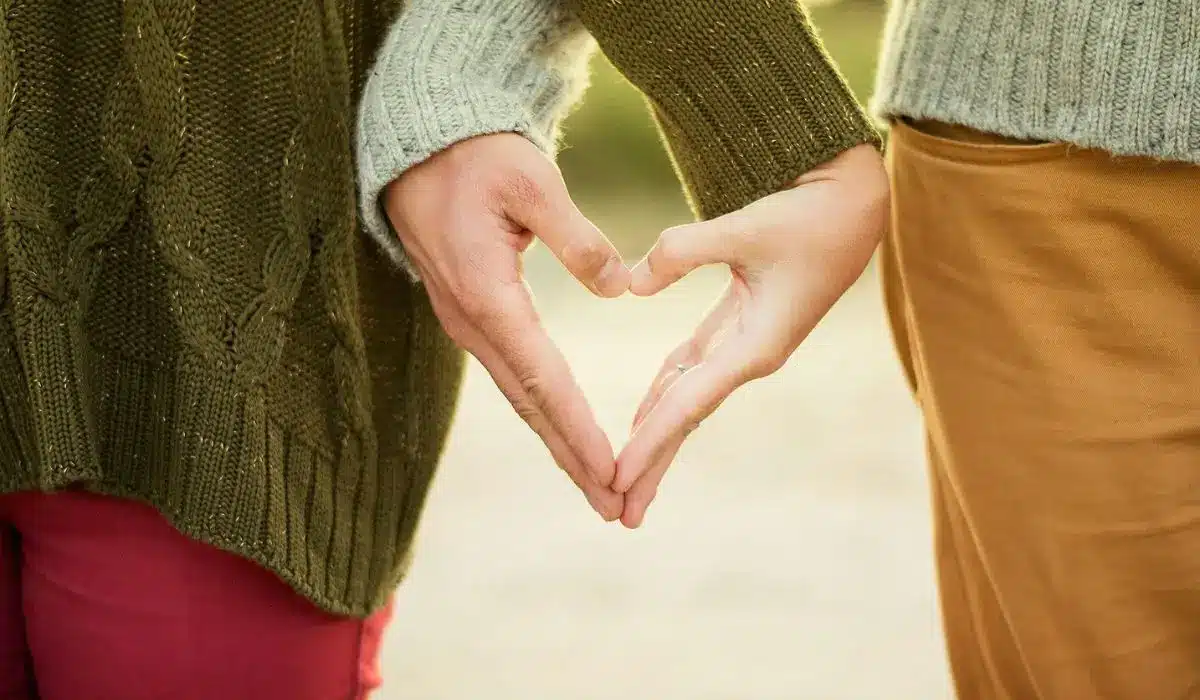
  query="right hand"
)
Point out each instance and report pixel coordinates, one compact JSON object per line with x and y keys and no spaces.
{"x":791,"y":255}
{"x":465,"y":216}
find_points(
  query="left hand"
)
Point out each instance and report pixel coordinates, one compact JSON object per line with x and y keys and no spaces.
{"x":791,"y":255}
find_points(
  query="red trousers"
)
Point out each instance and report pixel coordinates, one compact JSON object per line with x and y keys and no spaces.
{"x":100,"y":598}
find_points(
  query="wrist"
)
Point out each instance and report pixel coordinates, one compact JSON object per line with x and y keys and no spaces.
{"x":452,"y":71}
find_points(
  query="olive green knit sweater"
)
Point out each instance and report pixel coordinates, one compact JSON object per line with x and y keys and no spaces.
{"x":189,"y":315}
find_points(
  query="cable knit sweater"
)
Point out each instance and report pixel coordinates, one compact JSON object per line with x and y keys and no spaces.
{"x":1120,"y":75}
{"x":189,"y":315}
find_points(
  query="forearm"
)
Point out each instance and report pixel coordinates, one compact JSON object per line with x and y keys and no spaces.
{"x":743,"y":91}
{"x":449,"y":71}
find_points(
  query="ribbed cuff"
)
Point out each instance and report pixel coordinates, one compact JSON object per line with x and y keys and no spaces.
{"x":452,"y":70}
{"x":745,"y":94}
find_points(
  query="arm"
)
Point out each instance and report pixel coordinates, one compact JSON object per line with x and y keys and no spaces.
{"x":452,"y":70}
{"x":783,"y":165}
{"x":457,"y":129}
{"x":743,"y":91}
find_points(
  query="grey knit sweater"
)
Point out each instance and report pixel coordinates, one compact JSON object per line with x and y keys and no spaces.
{"x":1120,"y":75}
{"x":449,"y":71}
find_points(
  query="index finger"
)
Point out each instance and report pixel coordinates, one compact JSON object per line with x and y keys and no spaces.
{"x":544,"y":207}
{"x":516,"y":334}
{"x":603,"y":499}
{"x":691,"y":399}
{"x":682,"y":249}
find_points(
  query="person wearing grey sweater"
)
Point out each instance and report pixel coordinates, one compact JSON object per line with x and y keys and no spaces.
{"x":1042,"y":278}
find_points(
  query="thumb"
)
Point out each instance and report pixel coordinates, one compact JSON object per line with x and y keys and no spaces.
{"x":543,"y":206}
{"x":681,"y":249}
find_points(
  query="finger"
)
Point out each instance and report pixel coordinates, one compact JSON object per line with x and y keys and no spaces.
{"x":645,"y":489}
{"x":690,"y":400}
{"x":602,"y":499}
{"x":681,"y":249}
{"x":512,"y":328}
{"x":543,"y":206}
{"x":676,"y":364}
{"x":691,"y":352}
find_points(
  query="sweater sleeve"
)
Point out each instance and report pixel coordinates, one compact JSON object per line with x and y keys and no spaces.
{"x":743,"y":91}
{"x":453,"y":69}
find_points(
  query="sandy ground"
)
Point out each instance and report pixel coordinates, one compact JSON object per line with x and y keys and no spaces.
{"x":787,"y":557}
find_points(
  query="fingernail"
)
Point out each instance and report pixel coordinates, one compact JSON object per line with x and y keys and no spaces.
{"x":614,"y":278}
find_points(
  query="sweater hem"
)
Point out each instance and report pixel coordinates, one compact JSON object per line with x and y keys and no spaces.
{"x":204,"y":451}
{"x":193,"y":530}
{"x":1115,"y":77}
{"x":260,"y":556}
{"x":784,"y":178}
{"x":1030,"y":129}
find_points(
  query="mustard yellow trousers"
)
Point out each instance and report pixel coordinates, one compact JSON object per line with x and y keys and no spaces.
{"x":1045,"y":300}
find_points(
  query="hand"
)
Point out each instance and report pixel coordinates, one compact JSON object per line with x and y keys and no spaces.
{"x":465,"y":216}
{"x":791,"y":256}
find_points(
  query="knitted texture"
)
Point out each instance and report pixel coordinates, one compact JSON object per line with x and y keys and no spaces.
{"x":1118,"y":75}
{"x":743,"y":91}
{"x":187,"y":316}
{"x":452,"y":70}
{"x":190,"y":314}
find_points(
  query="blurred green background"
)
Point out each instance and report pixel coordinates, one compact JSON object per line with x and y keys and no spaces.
{"x":614,"y":160}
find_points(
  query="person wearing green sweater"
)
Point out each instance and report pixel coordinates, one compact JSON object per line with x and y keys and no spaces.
{"x":224,"y":387}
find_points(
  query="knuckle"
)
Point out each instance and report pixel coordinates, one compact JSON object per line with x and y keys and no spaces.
{"x":671,"y":250}
{"x":534,"y":389}
{"x":522,"y":190}
{"x":525,"y":406}
{"x":587,"y":258}
{"x":526,"y":409}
